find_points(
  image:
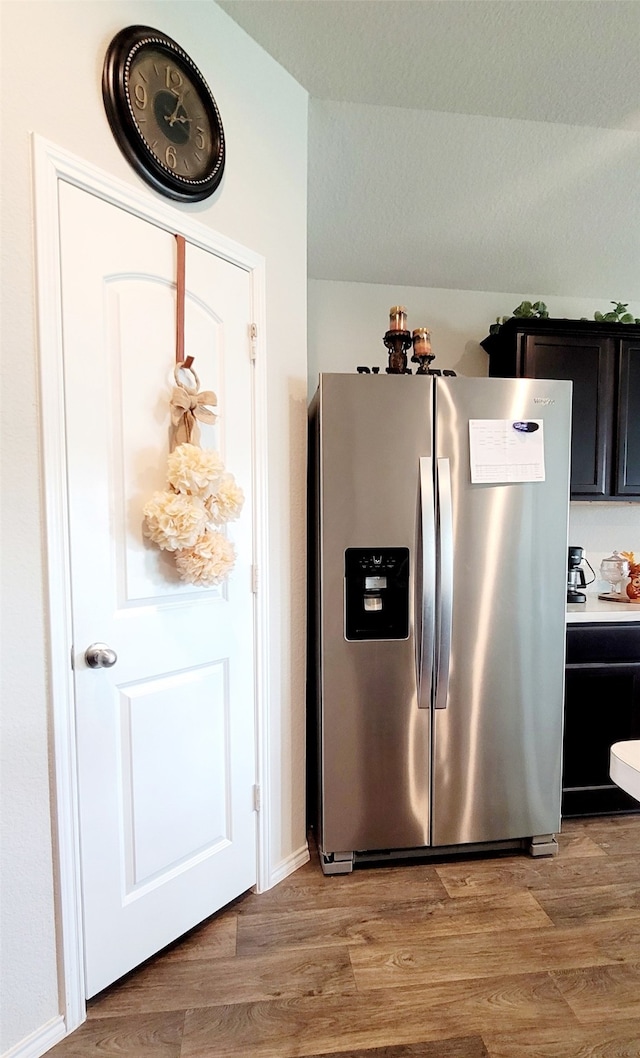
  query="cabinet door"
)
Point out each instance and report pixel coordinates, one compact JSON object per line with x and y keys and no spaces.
{"x":589,"y":362}
{"x":602,"y":706}
{"x":627,"y":481}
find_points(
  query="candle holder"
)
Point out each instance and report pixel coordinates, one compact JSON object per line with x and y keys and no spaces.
{"x":423,"y":363}
{"x":422,"y":355}
{"x":398,"y":342}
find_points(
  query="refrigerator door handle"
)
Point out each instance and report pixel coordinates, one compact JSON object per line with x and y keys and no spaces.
{"x":445,"y":554}
{"x":428,"y":586}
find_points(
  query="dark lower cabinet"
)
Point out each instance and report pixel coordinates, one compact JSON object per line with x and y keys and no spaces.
{"x":602,"y":706}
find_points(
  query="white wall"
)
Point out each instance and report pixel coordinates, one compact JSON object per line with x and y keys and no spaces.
{"x":52,"y":55}
{"x":601,"y":528}
{"x":347,"y":322}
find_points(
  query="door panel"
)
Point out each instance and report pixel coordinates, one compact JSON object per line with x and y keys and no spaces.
{"x":165,"y":738}
{"x":589,"y":364}
{"x":374,"y":738}
{"x":496,"y":756}
{"x":628,"y":464}
{"x":175,"y":765}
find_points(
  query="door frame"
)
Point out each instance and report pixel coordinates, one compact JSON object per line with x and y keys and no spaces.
{"x":51,"y":165}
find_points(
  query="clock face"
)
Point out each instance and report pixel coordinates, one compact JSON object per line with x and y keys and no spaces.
{"x":162,"y":114}
{"x":170,"y":114}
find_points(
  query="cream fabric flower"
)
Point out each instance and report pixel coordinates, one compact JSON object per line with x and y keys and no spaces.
{"x":208,"y":562}
{"x":226,"y":502}
{"x":174,"y":521}
{"x":195,"y":471}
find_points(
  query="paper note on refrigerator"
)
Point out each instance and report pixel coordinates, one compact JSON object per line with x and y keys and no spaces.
{"x":506,"y":450}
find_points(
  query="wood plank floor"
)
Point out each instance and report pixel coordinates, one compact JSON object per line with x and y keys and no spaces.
{"x":501,"y":957}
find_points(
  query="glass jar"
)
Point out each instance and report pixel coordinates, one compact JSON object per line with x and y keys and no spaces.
{"x":615,"y":569}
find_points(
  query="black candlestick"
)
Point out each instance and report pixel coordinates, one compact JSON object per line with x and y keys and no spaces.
{"x":423,"y":362}
{"x":397,"y":342}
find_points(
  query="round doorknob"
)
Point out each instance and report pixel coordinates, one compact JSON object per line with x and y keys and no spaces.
{"x":100,"y":656}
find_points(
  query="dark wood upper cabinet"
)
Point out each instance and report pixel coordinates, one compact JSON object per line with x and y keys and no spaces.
{"x":603,"y":362}
{"x":627,"y":482}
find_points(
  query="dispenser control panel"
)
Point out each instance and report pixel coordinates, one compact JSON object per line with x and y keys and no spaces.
{"x":376,"y":593}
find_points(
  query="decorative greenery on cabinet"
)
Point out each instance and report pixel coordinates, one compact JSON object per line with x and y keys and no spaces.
{"x":538,"y":310}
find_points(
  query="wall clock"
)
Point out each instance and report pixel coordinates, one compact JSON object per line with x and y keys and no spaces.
{"x":162,"y":114}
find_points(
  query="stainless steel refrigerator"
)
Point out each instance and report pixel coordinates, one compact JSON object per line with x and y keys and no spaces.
{"x":439,"y":620}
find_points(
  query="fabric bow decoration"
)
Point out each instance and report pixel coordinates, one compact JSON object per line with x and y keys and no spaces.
{"x":187,"y":406}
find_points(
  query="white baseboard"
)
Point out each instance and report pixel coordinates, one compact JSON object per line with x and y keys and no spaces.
{"x":40,"y":1041}
{"x":288,"y":866}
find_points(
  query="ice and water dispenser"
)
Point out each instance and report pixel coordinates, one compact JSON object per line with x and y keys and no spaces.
{"x":376,"y":593}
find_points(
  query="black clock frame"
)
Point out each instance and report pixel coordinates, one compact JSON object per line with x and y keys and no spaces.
{"x":115,"y":92}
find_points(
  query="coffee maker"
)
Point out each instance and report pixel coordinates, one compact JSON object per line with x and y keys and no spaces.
{"x":575,"y":575}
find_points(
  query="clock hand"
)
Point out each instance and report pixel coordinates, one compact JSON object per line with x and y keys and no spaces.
{"x":173,"y":117}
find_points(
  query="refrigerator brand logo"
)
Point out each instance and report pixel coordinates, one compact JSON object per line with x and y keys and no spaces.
{"x":543,"y":400}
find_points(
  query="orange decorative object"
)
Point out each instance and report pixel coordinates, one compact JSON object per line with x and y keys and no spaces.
{"x":633,"y":587}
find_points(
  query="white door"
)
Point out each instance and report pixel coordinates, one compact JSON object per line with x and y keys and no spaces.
{"x":165,"y":738}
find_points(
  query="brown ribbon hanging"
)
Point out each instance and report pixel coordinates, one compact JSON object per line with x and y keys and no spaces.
{"x":180,"y":288}
{"x":187,"y":404}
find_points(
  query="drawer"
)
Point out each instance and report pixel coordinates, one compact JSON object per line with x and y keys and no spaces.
{"x":609,"y":643}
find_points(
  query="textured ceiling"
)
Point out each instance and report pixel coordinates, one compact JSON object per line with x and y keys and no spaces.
{"x":569,"y":61}
{"x":480,"y":144}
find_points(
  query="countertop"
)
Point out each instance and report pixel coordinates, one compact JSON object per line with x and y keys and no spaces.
{"x":595,"y":609}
